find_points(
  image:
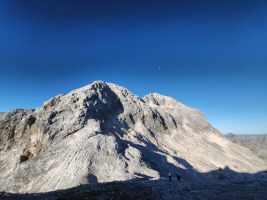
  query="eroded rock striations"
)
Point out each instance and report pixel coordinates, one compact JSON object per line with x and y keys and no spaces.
{"x":102,"y":132}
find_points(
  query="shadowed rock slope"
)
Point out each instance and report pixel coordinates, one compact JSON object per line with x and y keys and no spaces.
{"x":102,"y":132}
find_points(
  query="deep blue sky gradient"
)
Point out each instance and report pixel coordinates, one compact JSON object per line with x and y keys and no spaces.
{"x":211,"y":55}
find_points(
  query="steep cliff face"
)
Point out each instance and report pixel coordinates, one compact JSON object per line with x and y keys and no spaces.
{"x":102,"y":132}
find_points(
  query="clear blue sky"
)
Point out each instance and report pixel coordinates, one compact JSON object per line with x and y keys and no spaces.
{"x":211,"y":55}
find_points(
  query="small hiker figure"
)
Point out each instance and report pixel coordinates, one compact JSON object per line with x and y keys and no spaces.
{"x":170,"y":176}
{"x":178,"y":177}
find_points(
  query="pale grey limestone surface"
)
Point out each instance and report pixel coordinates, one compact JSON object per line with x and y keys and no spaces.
{"x":102,"y":133}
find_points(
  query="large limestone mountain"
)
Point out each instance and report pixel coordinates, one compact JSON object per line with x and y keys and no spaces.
{"x":102,"y":132}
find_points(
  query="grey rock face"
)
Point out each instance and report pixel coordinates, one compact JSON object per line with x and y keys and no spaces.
{"x":102,"y":132}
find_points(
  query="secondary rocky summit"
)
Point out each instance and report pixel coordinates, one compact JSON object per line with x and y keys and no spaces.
{"x":102,"y":132}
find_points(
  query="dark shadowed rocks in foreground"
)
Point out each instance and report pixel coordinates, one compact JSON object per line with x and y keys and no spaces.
{"x":254,"y":186}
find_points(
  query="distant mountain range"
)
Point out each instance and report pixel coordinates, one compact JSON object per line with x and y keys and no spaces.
{"x":256,"y":143}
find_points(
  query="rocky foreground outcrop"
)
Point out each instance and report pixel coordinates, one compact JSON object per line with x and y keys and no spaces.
{"x":102,"y":132}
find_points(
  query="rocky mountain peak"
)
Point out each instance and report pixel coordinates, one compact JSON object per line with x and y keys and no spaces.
{"x":102,"y":132}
